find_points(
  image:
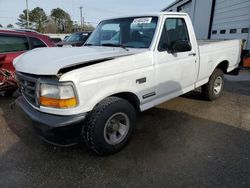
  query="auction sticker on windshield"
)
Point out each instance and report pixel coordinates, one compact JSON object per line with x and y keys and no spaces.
{"x":142,"y":20}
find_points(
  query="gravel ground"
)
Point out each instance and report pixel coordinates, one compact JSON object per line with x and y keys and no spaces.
{"x":186,"y":142}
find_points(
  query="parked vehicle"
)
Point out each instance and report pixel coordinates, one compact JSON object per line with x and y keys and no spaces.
{"x":94,"y":92}
{"x":12,"y":44}
{"x":56,"y":40}
{"x":76,"y":39}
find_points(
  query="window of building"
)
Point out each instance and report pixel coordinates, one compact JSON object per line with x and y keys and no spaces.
{"x":214,"y":32}
{"x":233,"y":31}
{"x":245,"y":30}
{"x":223,"y":31}
{"x":174,"y":30}
{"x":37,"y":43}
{"x":13,"y":43}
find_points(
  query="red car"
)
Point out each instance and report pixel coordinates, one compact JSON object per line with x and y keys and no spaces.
{"x":12,"y":44}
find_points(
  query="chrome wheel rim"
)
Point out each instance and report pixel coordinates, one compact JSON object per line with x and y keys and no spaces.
{"x":218,"y":85}
{"x":116,"y":128}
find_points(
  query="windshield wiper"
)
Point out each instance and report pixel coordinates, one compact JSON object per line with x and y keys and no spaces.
{"x":115,"y":45}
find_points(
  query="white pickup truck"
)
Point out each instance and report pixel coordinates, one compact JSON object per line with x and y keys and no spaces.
{"x":128,"y":65}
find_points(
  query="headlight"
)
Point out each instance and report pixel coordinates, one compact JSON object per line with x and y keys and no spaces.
{"x":57,"y":96}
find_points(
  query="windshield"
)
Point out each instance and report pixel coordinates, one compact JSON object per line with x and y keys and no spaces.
{"x":133,"y":32}
{"x":76,"y":37}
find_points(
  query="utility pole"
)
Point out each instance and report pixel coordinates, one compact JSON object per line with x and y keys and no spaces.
{"x":27,"y":15}
{"x":81,"y":17}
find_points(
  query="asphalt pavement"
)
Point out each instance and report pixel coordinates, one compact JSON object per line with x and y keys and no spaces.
{"x":185,"y":142}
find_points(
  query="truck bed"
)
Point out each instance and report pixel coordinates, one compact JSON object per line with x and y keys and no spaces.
{"x":213,"y":52}
{"x":204,"y":42}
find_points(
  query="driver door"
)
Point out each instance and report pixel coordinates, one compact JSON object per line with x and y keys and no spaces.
{"x":176,"y":69}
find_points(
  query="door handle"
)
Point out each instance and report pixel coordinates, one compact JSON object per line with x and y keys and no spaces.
{"x":192,"y":54}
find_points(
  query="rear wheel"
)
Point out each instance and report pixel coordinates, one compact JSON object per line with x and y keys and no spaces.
{"x":213,"y":89}
{"x":109,"y":126}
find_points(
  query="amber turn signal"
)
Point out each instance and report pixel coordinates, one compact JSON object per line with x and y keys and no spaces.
{"x":58,"y":103}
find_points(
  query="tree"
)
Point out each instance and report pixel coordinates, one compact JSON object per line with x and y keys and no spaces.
{"x":22,"y":20}
{"x":50,"y":26}
{"x":37,"y":19}
{"x":86,"y":27}
{"x":1,"y":25}
{"x":62,"y":20}
{"x":10,"y":26}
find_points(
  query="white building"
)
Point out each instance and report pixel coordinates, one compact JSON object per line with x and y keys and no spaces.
{"x":217,"y":19}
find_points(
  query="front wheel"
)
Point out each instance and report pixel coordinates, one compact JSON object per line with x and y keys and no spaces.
{"x":213,"y":89}
{"x":109,"y":126}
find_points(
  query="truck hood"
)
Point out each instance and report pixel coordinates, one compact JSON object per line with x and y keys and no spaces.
{"x":48,"y":61}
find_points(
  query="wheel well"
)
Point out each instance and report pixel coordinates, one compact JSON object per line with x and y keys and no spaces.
{"x":223,"y":66}
{"x":130,"y":97}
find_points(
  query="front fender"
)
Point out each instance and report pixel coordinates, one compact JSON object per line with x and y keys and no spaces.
{"x":95,"y":83}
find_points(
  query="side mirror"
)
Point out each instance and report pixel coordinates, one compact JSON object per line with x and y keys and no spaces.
{"x":181,"y":46}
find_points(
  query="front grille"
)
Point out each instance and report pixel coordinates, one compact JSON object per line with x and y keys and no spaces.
{"x":27,"y":84}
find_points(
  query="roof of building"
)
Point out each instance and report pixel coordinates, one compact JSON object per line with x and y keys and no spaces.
{"x":148,"y":14}
{"x":172,"y":4}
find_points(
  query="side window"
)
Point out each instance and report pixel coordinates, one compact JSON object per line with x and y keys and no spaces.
{"x":13,"y":43}
{"x":223,"y":31}
{"x":37,"y":43}
{"x":214,"y":32}
{"x":245,"y":30}
{"x":163,"y":44}
{"x":85,"y":37}
{"x":174,"y":32}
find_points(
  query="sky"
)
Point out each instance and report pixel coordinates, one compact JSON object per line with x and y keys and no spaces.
{"x":93,"y":10}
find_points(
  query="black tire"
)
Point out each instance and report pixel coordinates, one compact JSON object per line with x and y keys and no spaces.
{"x":208,"y":90}
{"x":95,"y":124}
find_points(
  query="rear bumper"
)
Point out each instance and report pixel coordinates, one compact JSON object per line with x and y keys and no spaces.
{"x":58,"y":130}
